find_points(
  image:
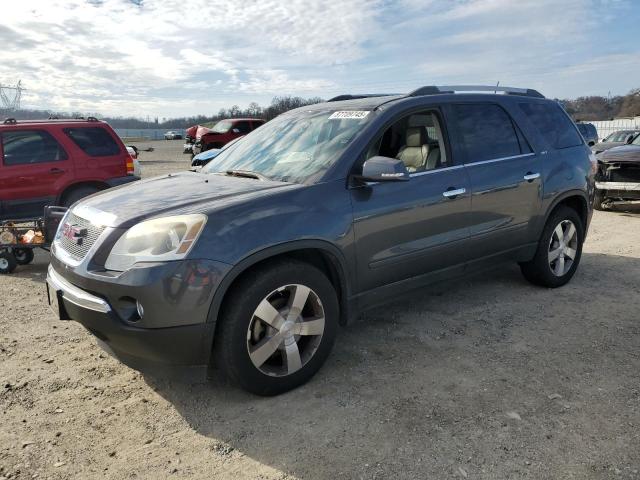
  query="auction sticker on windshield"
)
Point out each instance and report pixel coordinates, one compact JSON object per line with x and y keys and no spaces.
{"x":355,"y":114}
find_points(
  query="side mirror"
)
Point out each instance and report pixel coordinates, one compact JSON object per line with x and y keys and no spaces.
{"x":235,"y":130}
{"x":383,"y":169}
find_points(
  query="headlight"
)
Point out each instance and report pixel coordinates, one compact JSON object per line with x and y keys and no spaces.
{"x":157,"y":240}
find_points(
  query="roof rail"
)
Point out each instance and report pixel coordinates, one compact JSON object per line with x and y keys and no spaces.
{"x":439,"y":89}
{"x":53,"y":117}
{"x":355,"y":97}
{"x":10,"y":121}
{"x":92,"y":119}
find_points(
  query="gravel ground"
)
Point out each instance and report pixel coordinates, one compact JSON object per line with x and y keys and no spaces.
{"x":486,"y":377}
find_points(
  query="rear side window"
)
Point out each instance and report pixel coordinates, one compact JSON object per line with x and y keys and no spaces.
{"x":244,"y":127}
{"x":487,"y":132}
{"x":553,"y":124}
{"x":22,"y":147}
{"x":94,"y":141}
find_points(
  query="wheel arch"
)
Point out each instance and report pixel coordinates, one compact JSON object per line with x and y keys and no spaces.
{"x":575,"y":199}
{"x":88,"y":183}
{"x":320,"y":253}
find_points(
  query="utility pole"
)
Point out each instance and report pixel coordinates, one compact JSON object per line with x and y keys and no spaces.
{"x":11,"y":101}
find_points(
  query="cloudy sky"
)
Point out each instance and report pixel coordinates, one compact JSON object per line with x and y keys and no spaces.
{"x":175,"y":58}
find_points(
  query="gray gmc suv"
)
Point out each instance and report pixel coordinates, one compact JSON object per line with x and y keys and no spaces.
{"x":252,"y":264}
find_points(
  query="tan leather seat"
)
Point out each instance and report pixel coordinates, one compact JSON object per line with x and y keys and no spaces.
{"x":416,"y":150}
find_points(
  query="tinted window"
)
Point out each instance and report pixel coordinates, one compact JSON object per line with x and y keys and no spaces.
{"x":30,"y":146}
{"x":94,"y":141}
{"x":244,"y":127}
{"x":487,"y":132}
{"x":553,"y":124}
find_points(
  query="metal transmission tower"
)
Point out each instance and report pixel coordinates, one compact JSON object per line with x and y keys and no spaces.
{"x":10,"y":96}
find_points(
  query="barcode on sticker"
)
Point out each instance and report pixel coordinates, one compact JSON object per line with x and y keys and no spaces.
{"x":355,"y":114}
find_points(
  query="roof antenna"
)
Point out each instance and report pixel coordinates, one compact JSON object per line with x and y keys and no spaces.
{"x":497,"y":85}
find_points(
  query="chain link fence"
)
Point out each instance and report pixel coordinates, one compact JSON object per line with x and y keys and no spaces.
{"x":607,"y":127}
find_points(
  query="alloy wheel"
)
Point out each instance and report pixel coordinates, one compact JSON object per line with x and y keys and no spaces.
{"x":563,"y":247}
{"x":285,"y":330}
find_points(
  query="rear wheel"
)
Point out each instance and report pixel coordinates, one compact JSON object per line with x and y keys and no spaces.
{"x":277,"y":328}
{"x":7,"y":262}
{"x":23,"y":256}
{"x":559,"y":250}
{"x":77,"y":194}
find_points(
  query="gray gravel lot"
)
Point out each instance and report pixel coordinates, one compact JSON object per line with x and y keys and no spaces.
{"x":486,"y":377}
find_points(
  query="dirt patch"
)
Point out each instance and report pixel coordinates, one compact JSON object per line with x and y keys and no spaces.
{"x":487,"y":377}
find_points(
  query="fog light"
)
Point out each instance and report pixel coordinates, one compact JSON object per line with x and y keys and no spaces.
{"x":140,"y":308}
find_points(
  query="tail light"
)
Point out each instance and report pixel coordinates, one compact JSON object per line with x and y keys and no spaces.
{"x":129,"y":165}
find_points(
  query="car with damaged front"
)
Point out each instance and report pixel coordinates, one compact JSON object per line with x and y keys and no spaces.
{"x":250,"y":265}
{"x":618,"y":177}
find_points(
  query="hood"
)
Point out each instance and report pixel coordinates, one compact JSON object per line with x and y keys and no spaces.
{"x":623,"y":154}
{"x":174,"y":194}
{"x":200,"y":131}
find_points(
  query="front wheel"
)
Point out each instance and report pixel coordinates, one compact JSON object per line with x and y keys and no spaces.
{"x":559,"y":250}
{"x":7,"y":262}
{"x":598,"y":200}
{"x":278,"y":326}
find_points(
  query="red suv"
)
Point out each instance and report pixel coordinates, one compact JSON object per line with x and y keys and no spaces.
{"x":57,"y":162}
{"x":224,"y":131}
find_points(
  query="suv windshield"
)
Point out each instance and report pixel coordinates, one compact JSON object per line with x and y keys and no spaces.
{"x":222,"y":127}
{"x":294,"y":147}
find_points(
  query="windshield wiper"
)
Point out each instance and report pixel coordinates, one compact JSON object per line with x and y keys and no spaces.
{"x":246,"y":174}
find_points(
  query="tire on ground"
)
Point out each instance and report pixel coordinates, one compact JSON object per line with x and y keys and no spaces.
{"x":7,"y":262}
{"x":538,"y":271}
{"x":598,"y":200}
{"x":23,"y":256}
{"x":230,"y":345}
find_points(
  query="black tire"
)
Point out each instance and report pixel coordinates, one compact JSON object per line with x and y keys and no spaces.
{"x":78,"y":194}
{"x":7,"y":263}
{"x":231,"y":346}
{"x":539,"y":271}
{"x":23,"y":256}
{"x":598,"y":200}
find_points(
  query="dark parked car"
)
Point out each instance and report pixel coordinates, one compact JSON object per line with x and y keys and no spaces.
{"x":588,"y":132}
{"x":616,"y":139}
{"x":58,"y":162}
{"x":252,"y":264}
{"x":618,"y":177}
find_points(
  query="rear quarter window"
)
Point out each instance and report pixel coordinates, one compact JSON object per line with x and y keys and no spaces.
{"x":487,"y":132}
{"x":94,"y":141}
{"x":553,"y":124}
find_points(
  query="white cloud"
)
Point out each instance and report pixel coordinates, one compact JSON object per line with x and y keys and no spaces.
{"x":180,"y":58}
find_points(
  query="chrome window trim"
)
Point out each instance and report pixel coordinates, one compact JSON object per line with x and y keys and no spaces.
{"x":435,"y":170}
{"x":501,"y":159}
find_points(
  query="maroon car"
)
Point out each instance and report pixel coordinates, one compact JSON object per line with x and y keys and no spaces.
{"x":223,"y":132}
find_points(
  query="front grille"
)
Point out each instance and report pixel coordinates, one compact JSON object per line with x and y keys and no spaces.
{"x":629,"y":175}
{"x":71,"y":246}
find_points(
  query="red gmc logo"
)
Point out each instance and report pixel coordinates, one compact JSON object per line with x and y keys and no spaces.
{"x":74,"y":232}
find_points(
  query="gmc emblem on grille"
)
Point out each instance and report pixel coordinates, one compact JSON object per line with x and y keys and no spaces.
{"x":74,"y":233}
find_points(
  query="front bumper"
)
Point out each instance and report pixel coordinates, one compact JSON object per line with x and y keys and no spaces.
{"x":175,"y":332}
{"x":622,"y":186}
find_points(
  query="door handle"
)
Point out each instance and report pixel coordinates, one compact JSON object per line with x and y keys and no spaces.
{"x":530,"y":177}
{"x":56,"y":171}
{"x":452,"y":193}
